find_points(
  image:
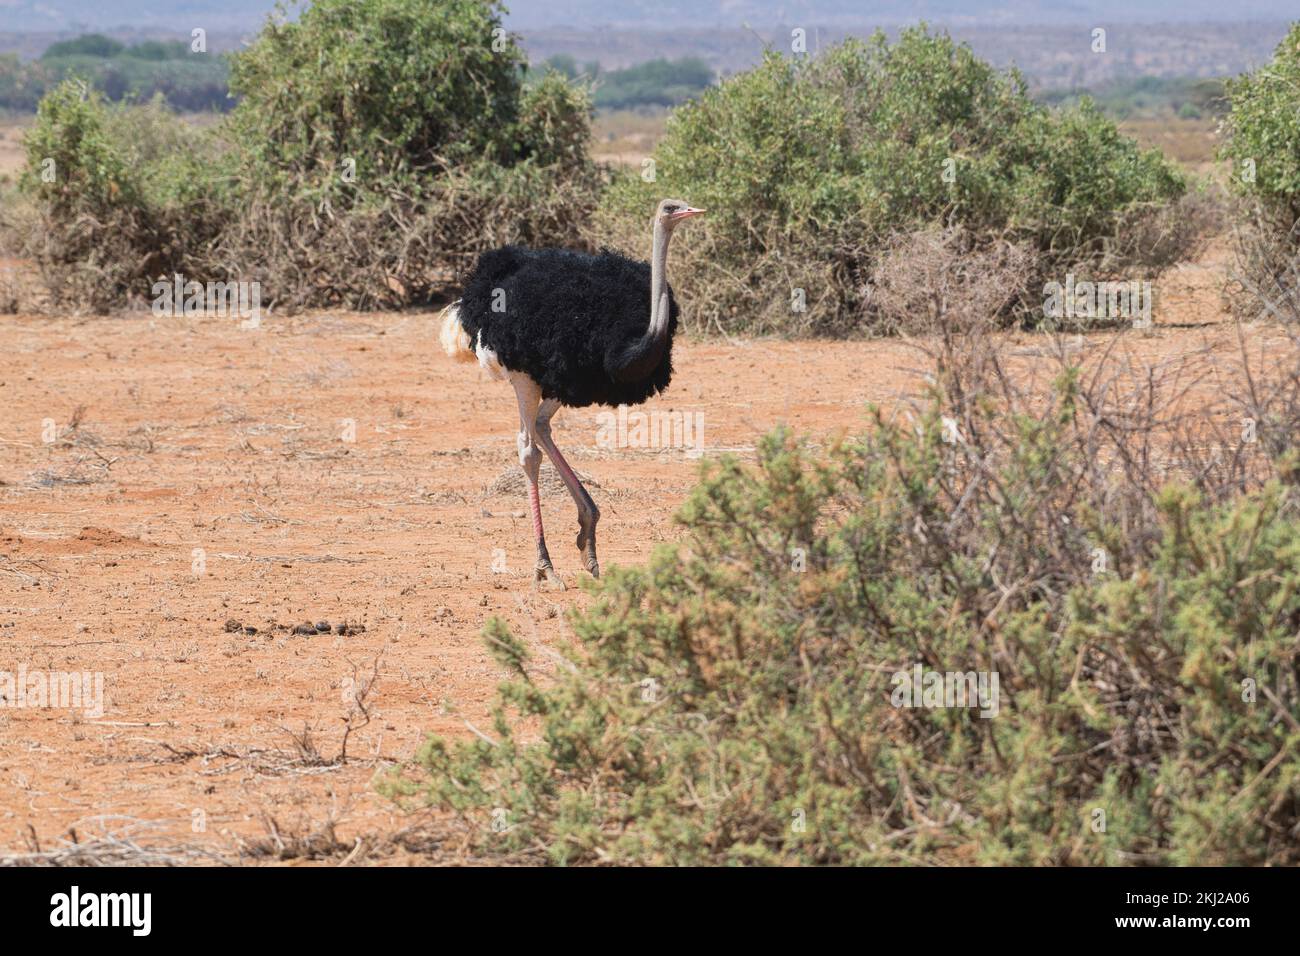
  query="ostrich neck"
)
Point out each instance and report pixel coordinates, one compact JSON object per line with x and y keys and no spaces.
{"x":659,"y":308}
{"x":643,"y":356}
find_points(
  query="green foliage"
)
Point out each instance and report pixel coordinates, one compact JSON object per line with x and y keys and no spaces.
{"x":122,"y":195}
{"x":401,"y":85}
{"x":735,"y":700}
{"x":807,"y":164}
{"x":89,"y":44}
{"x":187,"y":81}
{"x":412,"y":124}
{"x":654,"y":83}
{"x":158,"y":50}
{"x":71,"y":137}
{"x":17,"y":90}
{"x":564,"y":64}
{"x":554,"y":124}
{"x":1261,"y":130}
{"x":1262,"y":141}
{"x":1149,"y":96}
{"x":377,"y":146}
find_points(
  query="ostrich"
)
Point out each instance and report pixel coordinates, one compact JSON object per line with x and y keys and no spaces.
{"x":568,"y":328}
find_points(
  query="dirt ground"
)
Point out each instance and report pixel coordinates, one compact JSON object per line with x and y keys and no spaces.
{"x":167,"y":484}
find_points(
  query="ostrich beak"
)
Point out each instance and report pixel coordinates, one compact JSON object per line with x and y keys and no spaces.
{"x":686,"y":213}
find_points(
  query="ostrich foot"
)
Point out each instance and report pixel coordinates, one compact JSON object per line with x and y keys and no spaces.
{"x":587,"y":543}
{"x":545,"y":578}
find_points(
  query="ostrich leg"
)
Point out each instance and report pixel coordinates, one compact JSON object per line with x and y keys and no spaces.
{"x":588,"y":513}
{"x":530,"y":459}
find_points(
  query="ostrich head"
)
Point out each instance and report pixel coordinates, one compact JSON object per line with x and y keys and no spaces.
{"x":673,"y":211}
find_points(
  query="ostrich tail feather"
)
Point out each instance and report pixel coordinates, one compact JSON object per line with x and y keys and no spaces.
{"x":455,"y":340}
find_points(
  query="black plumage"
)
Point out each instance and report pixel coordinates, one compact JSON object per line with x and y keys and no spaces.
{"x":574,"y":329}
{"x":574,"y":322}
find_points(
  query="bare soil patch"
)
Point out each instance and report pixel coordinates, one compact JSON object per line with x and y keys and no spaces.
{"x":333,"y":468}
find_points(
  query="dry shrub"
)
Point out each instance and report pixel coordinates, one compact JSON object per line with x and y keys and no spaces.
{"x":1265,"y":279}
{"x":924,"y":280}
{"x":111,"y":199}
{"x":90,"y":263}
{"x":20,"y":286}
{"x":771,"y":290}
{"x":734,"y":700}
{"x":405,"y":250}
{"x":1163,"y":236}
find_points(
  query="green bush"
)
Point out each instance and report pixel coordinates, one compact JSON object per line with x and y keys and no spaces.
{"x":116,"y":196}
{"x":653,"y":83}
{"x":399,"y":85}
{"x":377,"y":147}
{"x":21,"y":87}
{"x":734,"y":701}
{"x":1262,"y":135}
{"x":384,"y":143}
{"x":566,"y":65}
{"x":188,"y":81}
{"x":1148,"y":96}
{"x":807,"y":164}
{"x":89,"y":44}
{"x":71,"y":139}
{"x":1262,"y":141}
{"x":158,"y":50}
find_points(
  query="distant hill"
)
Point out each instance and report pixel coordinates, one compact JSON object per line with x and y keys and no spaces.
{"x":1048,"y":41}
{"x":694,"y":14}
{"x":169,"y":15}
{"x":1056,"y":57}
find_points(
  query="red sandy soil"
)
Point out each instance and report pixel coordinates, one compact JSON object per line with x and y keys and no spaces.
{"x":196,"y":434}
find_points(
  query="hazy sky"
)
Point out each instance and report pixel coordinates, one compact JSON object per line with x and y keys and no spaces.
{"x":696,"y":13}
{"x":26,"y":15}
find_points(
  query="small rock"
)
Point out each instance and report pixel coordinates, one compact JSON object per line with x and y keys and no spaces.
{"x":250,"y":630}
{"x":307,"y":628}
{"x":232,"y":626}
{"x":323,"y":626}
